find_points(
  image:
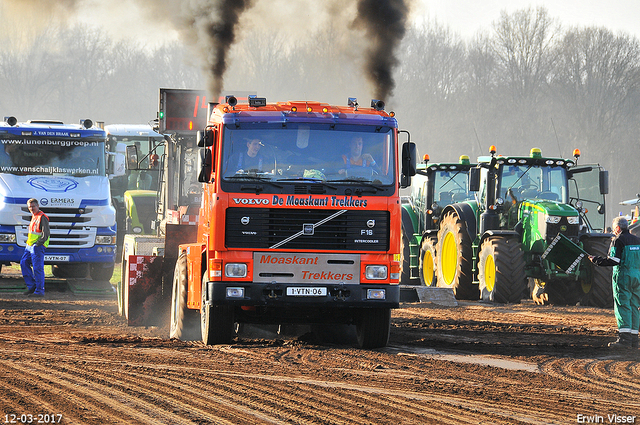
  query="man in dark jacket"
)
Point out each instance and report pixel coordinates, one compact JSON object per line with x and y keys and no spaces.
{"x":624,"y":256}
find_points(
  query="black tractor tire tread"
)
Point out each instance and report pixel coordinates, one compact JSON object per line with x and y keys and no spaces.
{"x":510,"y":278}
{"x":462,"y":286}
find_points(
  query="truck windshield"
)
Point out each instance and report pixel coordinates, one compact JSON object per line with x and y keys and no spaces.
{"x":534,"y":182}
{"x":342,"y":154}
{"x":48,"y":157}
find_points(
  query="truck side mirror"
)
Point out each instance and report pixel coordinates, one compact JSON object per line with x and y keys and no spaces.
{"x":603,"y":182}
{"x":205,"y":138}
{"x":409,"y":160}
{"x":474,"y":179}
{"x":205,"y":165}
{"x":116,"y":161}
{"x":132,"y":157}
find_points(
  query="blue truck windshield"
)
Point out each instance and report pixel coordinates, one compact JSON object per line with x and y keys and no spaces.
{"x":340,"y":154}
{"x":52,"y":156}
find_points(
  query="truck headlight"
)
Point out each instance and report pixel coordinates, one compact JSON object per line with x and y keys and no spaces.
{"x":553,"y":219}
{"x":105,"y":240}
{"x":376,"y":272}
{"x":573,"y":220}
{"x":236,"y":270}
{"x":7,"y":238}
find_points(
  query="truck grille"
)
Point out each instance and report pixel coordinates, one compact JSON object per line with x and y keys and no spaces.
{"x":342,"y":230}
{"x":70,"y":227}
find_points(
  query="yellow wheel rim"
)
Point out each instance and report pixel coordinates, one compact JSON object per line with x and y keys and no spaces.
{"x":427,"y":268}
{"x":449,"y":258}
{"x":490,"y":273}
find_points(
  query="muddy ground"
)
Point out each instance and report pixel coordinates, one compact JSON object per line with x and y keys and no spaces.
{"x":72,"y":359}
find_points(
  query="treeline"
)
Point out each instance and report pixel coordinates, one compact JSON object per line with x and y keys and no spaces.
{"x":525,"y":82}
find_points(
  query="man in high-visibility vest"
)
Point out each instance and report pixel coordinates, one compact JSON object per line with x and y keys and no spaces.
{"x":32,"y":262}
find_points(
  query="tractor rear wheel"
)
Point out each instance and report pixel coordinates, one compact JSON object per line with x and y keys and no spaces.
{"x":501,"y":270}
{"x":453,"y":258}
{"x":427,"y":263}
{"x":184,"y":321}
{"x":216,"y":321}
{"x":597,"y":290}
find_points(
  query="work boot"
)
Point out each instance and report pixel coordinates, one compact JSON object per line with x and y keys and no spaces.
{"x":623,"y":342}
{"x":634,"y":341}
{"x":29,"y":291}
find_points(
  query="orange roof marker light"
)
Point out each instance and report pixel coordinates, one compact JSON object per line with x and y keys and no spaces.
{"x":426,"y":158}
{"x":492,"y":149}
{"x":576,"y":153}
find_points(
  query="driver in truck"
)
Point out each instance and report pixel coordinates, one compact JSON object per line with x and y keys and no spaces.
{"x":355,"y":157}
{"x":251,"y":160}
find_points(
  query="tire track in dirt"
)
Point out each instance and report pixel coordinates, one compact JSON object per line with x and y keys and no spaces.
{"x":599,"y":377}
{"x":102,"y":397}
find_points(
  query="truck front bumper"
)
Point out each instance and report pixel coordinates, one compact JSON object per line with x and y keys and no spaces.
{"x":298,"y":295}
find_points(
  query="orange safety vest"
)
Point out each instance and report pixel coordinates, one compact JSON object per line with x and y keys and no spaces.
{"x":35,"y":230}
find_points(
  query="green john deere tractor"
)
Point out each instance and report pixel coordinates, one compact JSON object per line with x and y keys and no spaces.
{"x":500,"y":242}
{"x":434,"y":187}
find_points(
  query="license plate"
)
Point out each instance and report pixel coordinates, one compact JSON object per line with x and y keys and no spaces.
{"x":56,"y":258}
{"x":306,"y":291}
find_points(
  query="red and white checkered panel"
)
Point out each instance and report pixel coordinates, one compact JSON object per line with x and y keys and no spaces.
{"x":137,"y":265}
{"x":190,"y":219}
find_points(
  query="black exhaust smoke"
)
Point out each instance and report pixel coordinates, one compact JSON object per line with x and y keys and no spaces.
{"x":384,"y":23}
{"x":211,"y":26}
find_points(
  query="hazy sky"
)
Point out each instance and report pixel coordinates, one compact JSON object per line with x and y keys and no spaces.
{"x":465,"y":17}
{"x":468,"y":16}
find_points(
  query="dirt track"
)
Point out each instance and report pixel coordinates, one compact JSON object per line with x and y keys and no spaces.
{"x":474,"y":363}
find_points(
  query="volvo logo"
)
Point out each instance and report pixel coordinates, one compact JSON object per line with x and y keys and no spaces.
{"x":371,"y":224}
{"x":244,"y":220}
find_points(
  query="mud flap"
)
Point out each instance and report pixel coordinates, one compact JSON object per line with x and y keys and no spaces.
{"x":143,"y":291}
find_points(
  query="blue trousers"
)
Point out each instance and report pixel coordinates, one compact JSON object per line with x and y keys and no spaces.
{"x":32,"y":266}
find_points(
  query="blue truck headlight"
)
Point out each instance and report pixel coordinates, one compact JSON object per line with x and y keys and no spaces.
{"x":376,"y":272}
{"x":236,"y":270}
{"x":7,"y":238}
{"x":105,"y":240}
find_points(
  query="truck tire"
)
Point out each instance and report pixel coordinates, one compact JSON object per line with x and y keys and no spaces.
{"x":597,"y":290}
{"x":101,"y":271}
{"x":216,"y":321}
{"x":372,"y":327}
{"x":427,"y":262}
{"x":501,"y":270}
{"x":185,"y":323}
{"x":453,"y":258}
{"x":124,"y":277}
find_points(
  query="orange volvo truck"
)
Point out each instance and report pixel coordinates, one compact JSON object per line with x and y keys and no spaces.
{"x":299,"y":222}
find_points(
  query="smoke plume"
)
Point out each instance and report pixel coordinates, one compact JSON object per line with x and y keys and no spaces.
{"x":210,"y":26}
{"x":384,"y":23}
